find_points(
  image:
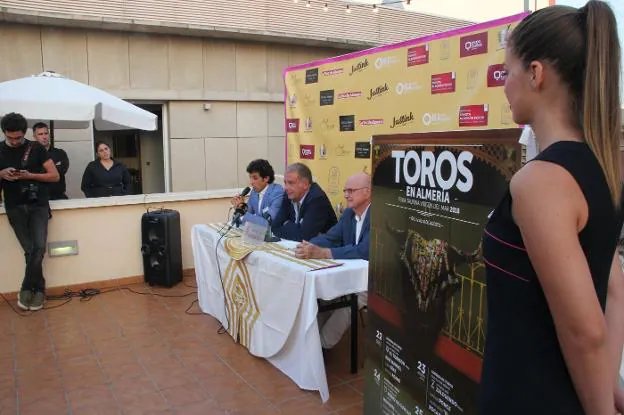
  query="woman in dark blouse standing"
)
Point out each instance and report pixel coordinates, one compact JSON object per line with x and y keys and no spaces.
{"x":555,"y":288}
{"x":105,"y":177}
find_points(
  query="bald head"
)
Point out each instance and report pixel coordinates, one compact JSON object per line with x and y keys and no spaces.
{"x":357,"y":191}
{"x":359,"y":179}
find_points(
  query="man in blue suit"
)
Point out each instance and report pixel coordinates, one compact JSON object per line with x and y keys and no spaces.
{"x":348,"y":239}
{"x":306,"y":210}
{"x":266,"y":196}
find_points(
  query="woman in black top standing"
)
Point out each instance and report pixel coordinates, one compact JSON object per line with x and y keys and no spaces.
{"x":105,"y":177}
{"x":555,"y":285}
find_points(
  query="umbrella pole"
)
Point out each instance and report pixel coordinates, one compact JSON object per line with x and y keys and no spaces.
{"x":51,"y":133}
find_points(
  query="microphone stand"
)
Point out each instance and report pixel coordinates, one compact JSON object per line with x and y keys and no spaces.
{"x":269,"y":237}
{"x":238,"y":215}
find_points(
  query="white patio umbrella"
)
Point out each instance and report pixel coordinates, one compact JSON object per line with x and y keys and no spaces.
{"x":50,"y":97}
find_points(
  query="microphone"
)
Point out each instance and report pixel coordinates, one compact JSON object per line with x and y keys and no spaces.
{"x":240,"y":209}
{"x":245,"y":191}
{"x":269,"y":237}
{"x":266,"y":215}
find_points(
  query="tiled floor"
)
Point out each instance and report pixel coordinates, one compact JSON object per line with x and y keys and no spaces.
{"x":123,"y":353}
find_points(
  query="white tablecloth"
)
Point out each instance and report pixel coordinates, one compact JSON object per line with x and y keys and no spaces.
{"x":272,"y":300}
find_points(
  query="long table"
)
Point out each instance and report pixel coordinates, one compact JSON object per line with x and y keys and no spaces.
{"x":266,"y":298}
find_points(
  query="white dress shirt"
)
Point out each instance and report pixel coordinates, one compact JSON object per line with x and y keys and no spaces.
{"x":359,"y":222}
{"x":260,"y":197}
{"x":296,"y":206}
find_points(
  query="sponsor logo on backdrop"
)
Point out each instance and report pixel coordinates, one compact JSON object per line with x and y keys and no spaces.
{"x":292,"y":100}
{"x":292,"y":125}
{"x":306,"y":151}
{"x":385,"y":61}
{"x":371,"y":121}
{"x":502,"y":37}
{"x":443,"y":83}
{"x":327,"y":125}
{"x":326,"y":97}
{"x":473,"y":115}
{"x":323,"y":152}
{"x":407,"y":87}
{"x":402,"y":120}
{"x":471,"y":45}
{"x":378,"y":91}
{"x":333,"y":175}
{"x":506,"y":116}
{"x":496,"y":75}
{"x":359,"y":67}
{"x":472,"y":78}
{"x":445,"y":49}
{"x":341,"y":151}
{"x":347,"y":122}
{"x":362,"y":150}
{"x":294,"y":78}
{"x":418,"y":55}
{"x":308,"y":125}
{"x":332,"y":72}
{"x":311,"y":76}
{"x":435,"y":118}
{"x":349,"y":94}
{"x":309,"y":100}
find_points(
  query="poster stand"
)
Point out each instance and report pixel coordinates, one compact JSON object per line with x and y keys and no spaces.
{"x":432,"y":194}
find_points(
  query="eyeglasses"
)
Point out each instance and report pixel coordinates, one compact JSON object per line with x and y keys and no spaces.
{"x":350,"y":191}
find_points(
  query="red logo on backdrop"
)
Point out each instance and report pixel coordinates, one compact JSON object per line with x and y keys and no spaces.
{"x":473,"y":44}
{"x":473,"y":115}
{"x":496,"y":75}
{"x":443,"y":83}
{"x":292,"y":125}
{"x":306,"y":151}
{"x":418,"y":55}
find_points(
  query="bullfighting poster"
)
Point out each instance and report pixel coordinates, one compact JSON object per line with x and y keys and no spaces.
{"x":432,"y":194}
{"x":447,"y":81}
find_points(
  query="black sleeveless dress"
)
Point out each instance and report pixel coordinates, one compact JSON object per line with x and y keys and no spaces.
{"x":524,"y":371}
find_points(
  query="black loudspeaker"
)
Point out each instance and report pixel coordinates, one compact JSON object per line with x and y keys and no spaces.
{"x":161,"y":247}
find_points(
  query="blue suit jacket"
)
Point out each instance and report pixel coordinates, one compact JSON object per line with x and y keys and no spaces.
{"x":317,"y":215}
{"x":271,"y":201}
{"x":341,"y":237}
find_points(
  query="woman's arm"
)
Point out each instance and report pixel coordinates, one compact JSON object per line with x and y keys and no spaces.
{"x":550,"y":210}
{"x":87,"y":180}
{"x":615,"y":324}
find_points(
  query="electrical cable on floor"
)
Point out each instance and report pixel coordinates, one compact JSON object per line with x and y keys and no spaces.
{"x":87,"y":294}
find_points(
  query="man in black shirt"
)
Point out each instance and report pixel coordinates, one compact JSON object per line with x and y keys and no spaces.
{"x":25,"y":170}
{"x":41,"y":133}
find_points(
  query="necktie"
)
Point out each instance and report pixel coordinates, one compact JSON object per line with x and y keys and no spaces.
{"x":298,"y":212}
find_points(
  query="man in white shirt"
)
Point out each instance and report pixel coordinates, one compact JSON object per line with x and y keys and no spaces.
{"x":348,"y":239}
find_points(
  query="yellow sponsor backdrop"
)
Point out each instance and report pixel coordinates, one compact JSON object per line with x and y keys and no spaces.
{"x":450,"y":81}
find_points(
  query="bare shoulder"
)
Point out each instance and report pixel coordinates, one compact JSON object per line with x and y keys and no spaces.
{"x":548,"y":189}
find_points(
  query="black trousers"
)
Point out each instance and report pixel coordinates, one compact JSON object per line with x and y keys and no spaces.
{"x":30,"y":224}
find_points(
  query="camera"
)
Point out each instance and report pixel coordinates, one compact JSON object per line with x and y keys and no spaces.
{"x":30,"y":192}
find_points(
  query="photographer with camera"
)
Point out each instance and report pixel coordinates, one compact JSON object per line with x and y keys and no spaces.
{"x":25,"y":170}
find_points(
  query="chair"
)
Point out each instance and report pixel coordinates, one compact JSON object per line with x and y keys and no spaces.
{"x":351,"y":301}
